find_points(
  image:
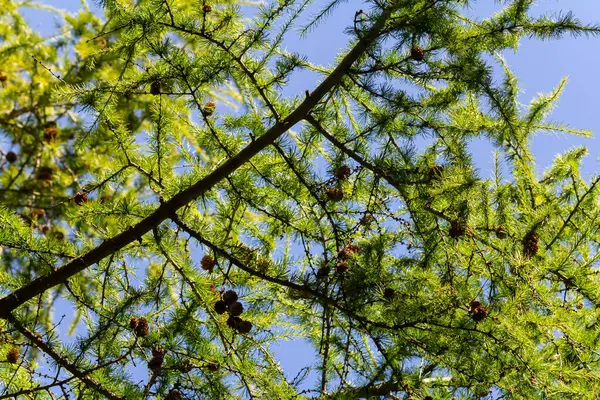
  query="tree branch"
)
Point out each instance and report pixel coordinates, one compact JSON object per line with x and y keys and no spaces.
{"x":45,"y":347}
{"x":112,"y":245}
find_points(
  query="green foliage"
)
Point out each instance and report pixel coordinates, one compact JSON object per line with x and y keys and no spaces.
{"x":409,"y":273}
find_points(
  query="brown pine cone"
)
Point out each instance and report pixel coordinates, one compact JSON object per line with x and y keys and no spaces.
{"x":207,"y":263}
{"x":477,"y":311}
{"x":323,"y":272}
{"x":220,"y":307}
{"x":233,"y":322}
{"x":37,"y":213}
{"x":50,"y":133}
{"x":212,"y":365}
{"x":44,"y":173}
{"x":417,"y":53}
{"x":244,"y":326}
{"x":11,"y":157}
{"x":236,"y":309}
{"x":230,"y":297}
{"x":531,"y":244}
{"x":13,"y":355}
{"x":209,"y":109}
{"x":155,"y":362}
{"x":341,"y":267}
{"x":366,"y":219}
{"x":155,"y":88}
{"x":343,"y":172}
{"x":142,"y":329}
{"x":185,"y":366}
{"x":348,"y":251}
{"x":80,"y":198}
{"x":335,"y":194}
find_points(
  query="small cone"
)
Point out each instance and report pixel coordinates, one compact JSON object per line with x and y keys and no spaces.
{"x":244,"y":326}
{"x":142,"y":328}
{"x":435,"y":172}
{"x":531,"y":244}
{"x":207,"y":263}
{"x":80,"y":198}
{"x":341,"y":267}
{"x":343,"y":172}
{"x":501,"y":232}
{"x":209,"y":109}
{"x":220,"y":307}
{"x":11,"y":157}
{"x":477,"y":311}
{"x":155,"y":88}
{"x":417,"y":53}
{"x":230,"y":297}
{"x":335,"y":194}
{"x":13,"y":355}
{"x":323,"y":272}
{"x":236,"y":309}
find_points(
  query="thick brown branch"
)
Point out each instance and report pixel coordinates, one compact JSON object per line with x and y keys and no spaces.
{"x":112,"y":245}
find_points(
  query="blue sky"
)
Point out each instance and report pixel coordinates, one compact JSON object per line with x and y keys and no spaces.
{"x":539,"y":65}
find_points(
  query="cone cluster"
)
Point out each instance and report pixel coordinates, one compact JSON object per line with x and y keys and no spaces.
{"x":348,"y":251}
{"x":341,"y":267}
{"x":229,"y":303}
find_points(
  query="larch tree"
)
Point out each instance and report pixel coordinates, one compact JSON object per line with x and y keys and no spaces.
{"x":164,"y":200}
